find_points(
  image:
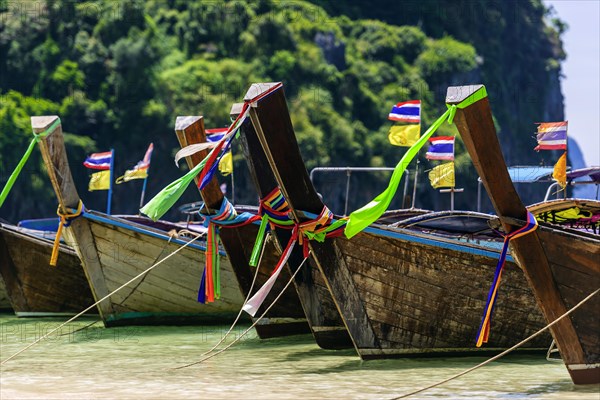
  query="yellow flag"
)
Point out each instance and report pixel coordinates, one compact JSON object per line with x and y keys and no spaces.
{"x":99,"y":181}
{"x":404,"y":135}
{"x":560,"y":171}
{"x":132,"y":174}
{"x":442,"y":176}
{"x":226,"y":164}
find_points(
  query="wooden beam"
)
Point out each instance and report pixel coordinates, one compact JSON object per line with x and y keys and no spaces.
{"x":190,"y":130}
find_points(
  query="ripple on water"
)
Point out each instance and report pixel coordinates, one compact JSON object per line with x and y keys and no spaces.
{"x":134,"y":362}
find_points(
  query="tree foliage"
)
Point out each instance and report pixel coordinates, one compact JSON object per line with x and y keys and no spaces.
{"x":118,"y":73}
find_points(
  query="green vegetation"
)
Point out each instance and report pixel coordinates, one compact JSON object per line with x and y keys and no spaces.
{"x":119,"y":72}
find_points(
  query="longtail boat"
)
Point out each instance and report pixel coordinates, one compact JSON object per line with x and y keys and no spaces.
{"x":114,"y":250}
{"x":286,"y":316}
{"x":34,"y":288}
{"x":321,"y":313}
{"x":562,"y":264}
{"x":400,"y":291}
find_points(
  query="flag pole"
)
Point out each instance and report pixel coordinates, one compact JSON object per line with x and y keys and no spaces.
{"x":145,"y":183}
{"x":417,"y":167}
{"x":110,"y":187}
{"x":415,"y":185}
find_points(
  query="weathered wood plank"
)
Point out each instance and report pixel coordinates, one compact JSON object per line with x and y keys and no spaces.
{"x":581,"y":256}
{"x":9,"y":277}
{"x":177,"y":277}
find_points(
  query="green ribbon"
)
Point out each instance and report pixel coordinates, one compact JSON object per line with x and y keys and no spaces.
{"x":321,"y":236}
{"x":13,"y":177}
{"x":166,"y":198}
{"x":260,"y":238}
{"x":371,"y":212}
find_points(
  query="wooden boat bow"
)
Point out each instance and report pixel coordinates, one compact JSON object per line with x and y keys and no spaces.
{"x":271,"y":120}
{"x":285,"y":318}
{"x":54,"y":154}
{"x":476,"y":127}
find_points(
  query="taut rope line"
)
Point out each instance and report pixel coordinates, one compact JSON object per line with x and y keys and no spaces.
{"x":241,"y":309}
{"x":251,"y":326}
{"x":505,"y":352}
{"x":101,"y":300}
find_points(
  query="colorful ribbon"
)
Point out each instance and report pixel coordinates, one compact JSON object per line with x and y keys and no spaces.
{"x":276,"y":212}
{"x":227,"y":216}
{"x":372,"y":211}
{"x":484,"y":329}
{"x":166,"y":198}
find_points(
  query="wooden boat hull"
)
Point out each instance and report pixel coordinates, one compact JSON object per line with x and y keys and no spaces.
{"x":424,"y":298}
{"x":167,"y":294}
{"x":5,"y":305}
{"x":562,"y":265}
{"x":285,"y":317}
{"x":114,"y":250}
{"x":399,"y":292}
{"x":34,"y":287}
{"x":574,"y":268}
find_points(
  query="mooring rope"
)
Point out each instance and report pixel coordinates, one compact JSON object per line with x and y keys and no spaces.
{"x":172,"y":233}
{"x":101,"y":300}
{"x":251,"y":326}
{"x":505,"y":352}
{"x":81,"y":329}
{"x":241,"y":309}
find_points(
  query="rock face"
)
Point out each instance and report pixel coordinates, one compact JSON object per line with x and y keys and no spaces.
{"x":334,"y":50}
{"x":577,"y":161}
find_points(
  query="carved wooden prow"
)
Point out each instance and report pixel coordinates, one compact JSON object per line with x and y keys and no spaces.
{"x":476,"y":127}
{"x":272,"y":123}
{"x":55,"y":158}
{"x":477,"y":130}
{"x":325,"y":321}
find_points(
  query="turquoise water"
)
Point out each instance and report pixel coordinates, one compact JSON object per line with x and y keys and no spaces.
{"x":138,"y":362}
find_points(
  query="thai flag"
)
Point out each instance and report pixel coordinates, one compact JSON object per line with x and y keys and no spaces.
{"x":145,"y":163}
{"x":552,"y":136}
{"x":441,"y":148}
{"x":408,"y":111}
{"x":98,"y":160}
{"x":214,"y":135}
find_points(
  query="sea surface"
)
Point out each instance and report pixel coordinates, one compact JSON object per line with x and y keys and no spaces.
{"x":138,"y":362}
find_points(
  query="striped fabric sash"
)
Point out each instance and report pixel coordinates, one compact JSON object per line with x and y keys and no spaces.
{"x":276,"y":213}
{"x":227,"y":216}
{"x":484,"y":329}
